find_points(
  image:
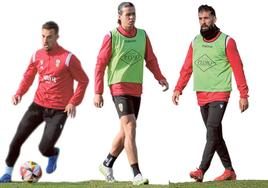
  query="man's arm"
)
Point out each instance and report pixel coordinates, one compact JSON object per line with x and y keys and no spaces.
{"x":26,"y":82}
{"x":186,"y":71}
{"x":103,"y":59}
{"x":237,"y":67}
{"x":81,"y":77}
{"x":153,"y":66}
{"x":185,"y":75}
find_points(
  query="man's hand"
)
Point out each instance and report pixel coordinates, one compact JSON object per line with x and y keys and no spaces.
{"x":71,"y":110}
{"x":16,"y":99}
{"x":175,"y":97}
{"x":98,"y":100}
{"x":243,"y":104}
{"x":164,"y":84}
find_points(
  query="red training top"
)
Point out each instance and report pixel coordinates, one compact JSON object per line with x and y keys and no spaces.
{"x":237,"y":67}
{"x":57,"y":70}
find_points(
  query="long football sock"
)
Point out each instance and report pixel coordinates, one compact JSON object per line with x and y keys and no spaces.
{"x":135,"y":169}
{"x":109,"y":161}
{"x":9,"y":170}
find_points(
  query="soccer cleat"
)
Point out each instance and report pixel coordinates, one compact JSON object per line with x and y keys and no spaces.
{"x":107,"y":173}
{"x":227,"y":175}
{"x":52,"y":162}
{"x":5,"y":178}
{"x":139,"y":180}
{"x":198,"y":175}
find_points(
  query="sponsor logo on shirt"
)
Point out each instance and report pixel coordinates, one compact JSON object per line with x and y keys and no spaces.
{"x":207,"y":46}
{"x":49,"y":78}
{"x":131,"y":57}
{"x":128,"y":41}
{"x":204,"y":63}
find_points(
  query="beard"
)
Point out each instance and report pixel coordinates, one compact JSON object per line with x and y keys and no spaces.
{"x":203,"y":29}
{"x":209,"y":32}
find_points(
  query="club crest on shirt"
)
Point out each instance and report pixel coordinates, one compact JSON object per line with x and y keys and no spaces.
{"x":57,"y":62}
{"x":120,"y":106}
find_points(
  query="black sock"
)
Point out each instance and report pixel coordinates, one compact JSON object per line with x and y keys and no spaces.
{"x":109,"y":161}
{"x":136,"y":169}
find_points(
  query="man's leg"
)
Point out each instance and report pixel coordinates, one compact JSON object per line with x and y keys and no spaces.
{"x":106,"y":168}
{"x":212,"y":114}
{"x":222,"y":149}
{"x":118,"y":143}
{"x":129,"y":125}
{"x":214,"y":135}
{"x":229,"y":173}
{"x":198,"y":174}
{"x":128,"y":121}
{"x":117,"y":147}
{"x":30,"y":121}
{"x":55,"y":120}
{"x":128,"y":109}
{"x":223,"y":153}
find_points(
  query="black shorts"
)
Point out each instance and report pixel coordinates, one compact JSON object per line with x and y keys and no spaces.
{"x":127,"y":104}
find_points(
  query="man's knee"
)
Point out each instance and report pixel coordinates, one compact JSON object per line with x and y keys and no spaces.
{"x":130,"y":128}
{"x":214,"y":134}
{"x":128,"y":122}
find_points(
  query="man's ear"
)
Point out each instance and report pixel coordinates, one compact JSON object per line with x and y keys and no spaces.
{"x":215,"y":19}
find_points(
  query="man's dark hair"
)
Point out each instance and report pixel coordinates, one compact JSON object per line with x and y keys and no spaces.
{"x":123,"y":5}
{"x":207,"y":8}
{"x":51,"y":25}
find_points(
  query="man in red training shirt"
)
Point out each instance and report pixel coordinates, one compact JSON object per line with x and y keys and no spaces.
{"x":55,"y":98}
{"x":212,"y":57}
{"x":124,"y":50}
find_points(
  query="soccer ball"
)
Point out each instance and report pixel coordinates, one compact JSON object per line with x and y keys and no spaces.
{"x":30,"y":172}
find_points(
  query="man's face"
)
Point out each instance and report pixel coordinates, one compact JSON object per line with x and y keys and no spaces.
{"x":128,"y":17}
{"x":49,"y":39}
{"x":206,"y":20}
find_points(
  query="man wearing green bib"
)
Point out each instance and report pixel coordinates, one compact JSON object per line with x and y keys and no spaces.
{"x":212,"y":57}
{"x":124,"y":50}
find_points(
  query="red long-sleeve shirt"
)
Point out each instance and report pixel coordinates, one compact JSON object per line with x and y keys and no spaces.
{"x":57,"y":70}
{"x":103,"y":60}
{"x":237,"y":68}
